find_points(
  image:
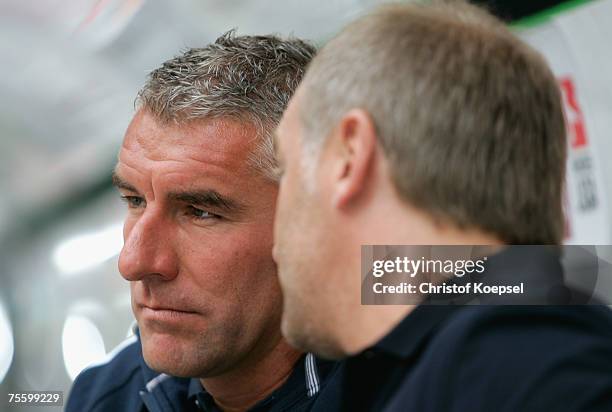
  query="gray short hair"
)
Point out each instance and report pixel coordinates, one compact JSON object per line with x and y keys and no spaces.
{"x":468,"y":116}
{"x":249,"y":78}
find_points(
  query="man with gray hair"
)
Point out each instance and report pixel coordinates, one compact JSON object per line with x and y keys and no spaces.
{"x":196,"y":173}
{"x":431,"y":124}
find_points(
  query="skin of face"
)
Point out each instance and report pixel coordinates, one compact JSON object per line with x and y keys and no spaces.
{"x":198,"y":241}
{"x":305,"y":245}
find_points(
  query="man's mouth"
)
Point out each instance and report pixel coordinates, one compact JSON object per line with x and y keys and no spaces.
{"x":165,"y":313}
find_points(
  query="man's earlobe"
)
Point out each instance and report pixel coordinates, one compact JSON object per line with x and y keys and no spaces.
{"x":356,"y":139}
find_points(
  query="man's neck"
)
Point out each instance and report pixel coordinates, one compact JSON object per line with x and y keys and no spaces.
{"x":242,"y":388}
{"x":391,"y":221}
{"x":375,"y":321}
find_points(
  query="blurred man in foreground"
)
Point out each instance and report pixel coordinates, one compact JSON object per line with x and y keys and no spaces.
{"x":196,"y":172}
{"x":431,"y":125}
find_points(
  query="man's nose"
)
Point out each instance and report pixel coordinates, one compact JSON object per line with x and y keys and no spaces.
{"x":148,"y":248}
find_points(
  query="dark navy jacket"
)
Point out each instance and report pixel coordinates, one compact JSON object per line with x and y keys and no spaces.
{"x":484,"y":358}
{"x":125,"y":383}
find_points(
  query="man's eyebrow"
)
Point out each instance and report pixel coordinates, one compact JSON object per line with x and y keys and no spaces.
{"x":119,"y":183}
{"x":207,"y":198}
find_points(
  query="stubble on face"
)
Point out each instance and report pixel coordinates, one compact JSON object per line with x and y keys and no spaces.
{"x":219,"y":267}
{"x":301,"y":243}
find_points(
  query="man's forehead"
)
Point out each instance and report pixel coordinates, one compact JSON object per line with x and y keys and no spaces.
{"x":180,"y":172}
{"x":141,"y":131}
{"x":141,"y":178}
{"x":289,"y":122}
{"x":203,"y":139}
{"x":211,"y":155}
{"x":293,"y":108}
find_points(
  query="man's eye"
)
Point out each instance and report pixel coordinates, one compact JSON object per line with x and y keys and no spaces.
{"x":133,"y":202}
{"x":200,"y":214}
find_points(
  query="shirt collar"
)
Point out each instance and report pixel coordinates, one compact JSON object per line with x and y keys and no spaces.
{"x":195,"y":387}
{"x":412,"y":332}
{"x":538,"y":264}
{"x":303,"y":382}
{"x":197,"y":394}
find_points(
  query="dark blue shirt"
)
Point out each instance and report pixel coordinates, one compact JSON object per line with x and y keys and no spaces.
{"x":296,"y":394}
{"x":124,"y":382}
{"x":484,"y":358}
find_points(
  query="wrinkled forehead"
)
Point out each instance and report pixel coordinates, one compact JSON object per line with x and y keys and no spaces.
{"x":205,"y":140}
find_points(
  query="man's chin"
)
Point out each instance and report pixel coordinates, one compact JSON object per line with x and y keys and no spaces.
{"x":181,"y":357}
{"x":302,"y":333}
{"x":165,"y":354}
{"x":165,"y":366}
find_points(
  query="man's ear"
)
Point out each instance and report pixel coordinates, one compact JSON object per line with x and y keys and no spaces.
{"x":355,"y":144}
